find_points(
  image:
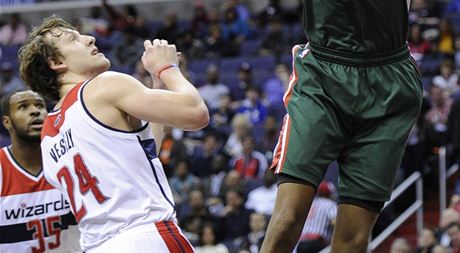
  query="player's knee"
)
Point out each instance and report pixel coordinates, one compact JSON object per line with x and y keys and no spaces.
{"x":287,"y":219}
{"x":357,"y":241}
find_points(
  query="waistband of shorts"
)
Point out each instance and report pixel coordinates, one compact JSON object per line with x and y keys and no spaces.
{"x":356,"y":60}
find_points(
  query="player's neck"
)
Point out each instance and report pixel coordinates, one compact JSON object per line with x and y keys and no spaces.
{"x":28,"y":155}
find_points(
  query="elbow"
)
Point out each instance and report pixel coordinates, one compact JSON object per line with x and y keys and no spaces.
{"x":199,"y":119}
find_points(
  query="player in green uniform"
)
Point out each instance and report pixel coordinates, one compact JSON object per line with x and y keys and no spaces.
{"x":353,"y":97}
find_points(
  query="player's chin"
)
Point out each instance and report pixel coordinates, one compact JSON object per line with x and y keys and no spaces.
{"x":33,"y":137}
{"x":106,"y":64}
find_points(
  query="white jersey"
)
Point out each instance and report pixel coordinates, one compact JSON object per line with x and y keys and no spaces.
{"x":35,"y":217}
{"x":112,"y":178}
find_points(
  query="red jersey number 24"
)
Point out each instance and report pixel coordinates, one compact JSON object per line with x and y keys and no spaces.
{"x":86,"y":183}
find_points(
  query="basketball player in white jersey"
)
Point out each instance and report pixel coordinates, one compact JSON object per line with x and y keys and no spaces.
{"x":97,"y":145}
{"x":34,"y":216}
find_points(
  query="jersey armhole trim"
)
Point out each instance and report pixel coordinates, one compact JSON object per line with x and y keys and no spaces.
{"x":80,"y":95}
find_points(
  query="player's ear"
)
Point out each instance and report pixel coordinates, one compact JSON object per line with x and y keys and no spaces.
{"x":56,"y":64}
{"x":6,"y":122}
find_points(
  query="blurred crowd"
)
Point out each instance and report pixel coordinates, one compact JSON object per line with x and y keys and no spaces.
{"x":240,"y":62}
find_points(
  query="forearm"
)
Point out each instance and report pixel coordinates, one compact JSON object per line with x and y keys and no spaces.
{"x":173,"y":80}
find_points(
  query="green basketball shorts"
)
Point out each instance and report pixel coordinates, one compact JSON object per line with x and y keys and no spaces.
{"x":358,"y":111}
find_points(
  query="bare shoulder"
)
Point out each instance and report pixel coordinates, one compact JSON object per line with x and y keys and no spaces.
{"x":110,"y":85}
{"x":111,"y":78}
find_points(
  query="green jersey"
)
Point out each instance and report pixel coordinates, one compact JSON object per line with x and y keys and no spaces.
{"x":356,"y":26}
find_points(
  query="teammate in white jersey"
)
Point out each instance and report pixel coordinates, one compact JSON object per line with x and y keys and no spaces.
{"x":34,"y":216}
{"x":98,"y":148}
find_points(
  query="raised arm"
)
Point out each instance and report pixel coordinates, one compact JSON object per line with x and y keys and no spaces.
{"x":179,"y":106}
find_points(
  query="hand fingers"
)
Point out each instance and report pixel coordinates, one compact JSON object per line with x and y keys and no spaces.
{"x":156,"y":42}
{"x":147,"y":43}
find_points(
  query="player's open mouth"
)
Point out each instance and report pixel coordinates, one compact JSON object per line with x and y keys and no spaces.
{"x":95,"y":51}
{"x":36,"y":124}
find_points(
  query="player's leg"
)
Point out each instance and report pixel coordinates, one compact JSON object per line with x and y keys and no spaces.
{"x":388,"y":108}
{"x":353,"y":228}
{"x":293,"y":202}
{"x":311,"y":138}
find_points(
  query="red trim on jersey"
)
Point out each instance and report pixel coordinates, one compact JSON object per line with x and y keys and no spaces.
{"x":55,"y":119}
{"x":173,"y":238}
{"x":278,"y":151}
{"x":15,"y":182}
{"x":279,"y":154}
{"x":294,"y":76}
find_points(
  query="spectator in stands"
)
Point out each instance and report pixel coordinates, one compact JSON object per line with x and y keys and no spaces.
{"x":426,"y":241}
{"x":448,"y":216}
{"x":203,"y":155}
{"x":418,"y":45}
{"x":400,"y":245}
{"x":274,"y":41}
{"x":318,"y":228}
{"x":253,"y":241}
{"x":251,"y":164}
{"x":172,"y":149}
{"x":253,"y":106}
{"x":214,"y":42}
{"x":212,"y":90}
{"x":14,"y":32}
{"x":273,"y":8}
{"x":235,"y":217}
{"x":262,"y":199}
{"x":209,"y":242}
{"x":238,"y":89}
{"x":242,"y":10}
{"x":446,"y":37}
{"x":170,"y":29}
{"x":438,"y":114}
{"x":108,"y":40}
{"x":200,"y":20}
{"x":95,"y":23}
{"x":274,"y":89}
{"x":269,"y":136}
{"x":447,"y":79}
{"x":194,"y":207}
{"x":234,"y":31}
{"x":453,"y":230}
{"x":189,"y":45}
{"x":241,"y":126}
{"x":193,"y":214}
{"x":418,"y":10}
{"x":182,"y":182}
{"x":127,"y":52}
{"x":221,"y":117}
{"x":218,"y":169}
{"x":8,"y":80}
{"x":127,"y":17}
{"x":232,"y":182}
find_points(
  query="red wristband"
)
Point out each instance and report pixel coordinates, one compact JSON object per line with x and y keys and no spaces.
{"x":165,"y":68}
